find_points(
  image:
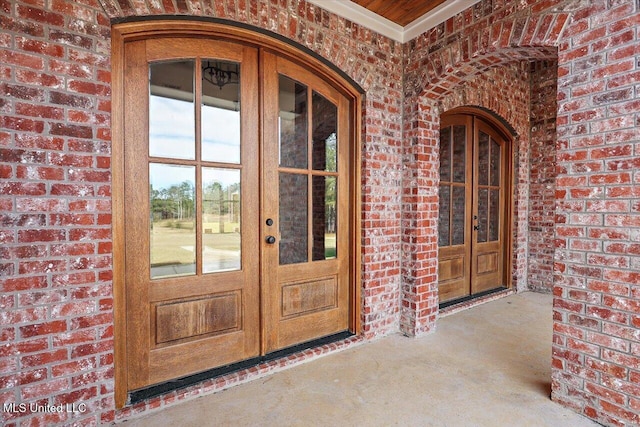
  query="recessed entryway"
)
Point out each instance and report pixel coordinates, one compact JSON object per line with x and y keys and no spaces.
{"x":474,"y":194}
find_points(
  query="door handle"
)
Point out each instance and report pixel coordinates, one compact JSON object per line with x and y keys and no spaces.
{"x":475,"y":228}
{"x":270,"y":240}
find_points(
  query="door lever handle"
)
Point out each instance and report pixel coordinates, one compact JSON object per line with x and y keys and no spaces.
{"x":475,"y":228}
{"x":270,"y":240}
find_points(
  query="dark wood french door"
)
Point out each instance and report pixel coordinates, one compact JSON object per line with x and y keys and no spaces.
{"x":472,"y":228}
{"x":236,"y":206}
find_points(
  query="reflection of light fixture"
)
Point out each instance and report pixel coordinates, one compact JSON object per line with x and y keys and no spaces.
{"x":218,"y":76}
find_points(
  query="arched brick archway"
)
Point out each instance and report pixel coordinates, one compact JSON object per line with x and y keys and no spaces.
{"x":483,"y":67}
{"x":595,"y":267}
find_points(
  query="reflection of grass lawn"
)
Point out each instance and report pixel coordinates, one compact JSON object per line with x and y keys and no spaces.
{"x":177,"y":245}
{"x":330,"y":245}
{"x":171,"y":245}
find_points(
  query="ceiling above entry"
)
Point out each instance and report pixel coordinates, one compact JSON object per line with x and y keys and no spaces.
{"x":402,"y":12}
{"x":400,"y":20}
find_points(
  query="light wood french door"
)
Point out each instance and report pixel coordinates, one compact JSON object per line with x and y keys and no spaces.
{"x":306,"y":187}
{"x":472,"y":227}
{"x":236,"y":206}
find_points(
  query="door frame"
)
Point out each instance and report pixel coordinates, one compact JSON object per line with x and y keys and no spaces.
{"x":506,"y":131}
{"x":135,"y":29}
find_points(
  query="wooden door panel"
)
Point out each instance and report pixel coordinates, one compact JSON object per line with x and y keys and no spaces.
{"x":181,"y":321}
{"x":453,"y":274}
{"x":300,"y":298}
{"x":455,"y":205}
{"x":487,"y":267}
{"x":305,"y":296}
{"x":188,"y":311}
{"x":195,"y":318}
{"x":176,"y":361}
{"x":476,"y":263}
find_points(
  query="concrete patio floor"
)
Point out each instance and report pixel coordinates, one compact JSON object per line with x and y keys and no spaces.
{"x":486,"y":366}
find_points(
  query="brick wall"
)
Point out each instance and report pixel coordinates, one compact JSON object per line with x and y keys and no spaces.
{"x":56,"y":319}
{"x":55,"y":259}
{"x":596,"y":368}
{"x":596,"y":223}
{"x":542,"y":175}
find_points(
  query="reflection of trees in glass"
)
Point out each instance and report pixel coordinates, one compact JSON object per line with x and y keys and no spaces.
{"x":331,"y":183}
{"x":176,"y":202}
{"x":221,"y":205}
{"x":331,"y":147}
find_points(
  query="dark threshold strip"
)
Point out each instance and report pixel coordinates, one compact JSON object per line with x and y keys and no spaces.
{"x":471,"y":297}
{"x":180,"y":383}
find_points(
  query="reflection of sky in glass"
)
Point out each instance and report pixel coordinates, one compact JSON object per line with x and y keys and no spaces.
{"x":225,"y":177}
{"x":220,"y":135}
{"x":171,"y":128}
{"x":164,"y":176}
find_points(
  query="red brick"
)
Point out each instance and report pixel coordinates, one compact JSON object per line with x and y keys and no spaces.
{"x":604,"y":393}
{"x":40,"y":173}
{"x":621,"y":413}
{"x":40,"y":359}
{"x":21,"y":59}
{"x":22,"y":92}
{"x":43,"y":328}
{"x":46,"y":112}
{"x":44,"y":390}
{"x":607,"y":368}
{"x":28,"y":236}
{"x":607,"y":314}
{"x":39,"y":142}
{"x":39,"y":47}
{"x":615,"y":68}
{"x":88,"y":88}
{"x":22,"y":124}
{"x":87,"y":349}
{"x":91,"y":321}
{"x":22,"y":378}
{"x":75,"y":131}
{"x":23,"y":283}
{"x":73,"y":367}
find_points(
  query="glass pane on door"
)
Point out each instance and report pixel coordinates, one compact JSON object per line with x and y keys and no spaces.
{"x":172,"y":220}
{"x":293,"y":218}
{"x":445,"y":154}
{"x":495,"y":162}
{"x":171,"y":110}
{"x":220,"y":124}
{"x":293,"y":123}
{"x":459,"y":153}
{"x":221,"y":248}
{"x":494,"y":216}
{"x":444,"y":227}
{"x":458,"y":216}
{"x":325,"y":126}
{"x":483,"y":159}
{"x":325,"y":209}
{"x":483,"y":214}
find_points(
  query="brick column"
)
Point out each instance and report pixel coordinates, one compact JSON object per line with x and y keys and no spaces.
{"x":419,"y":289}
